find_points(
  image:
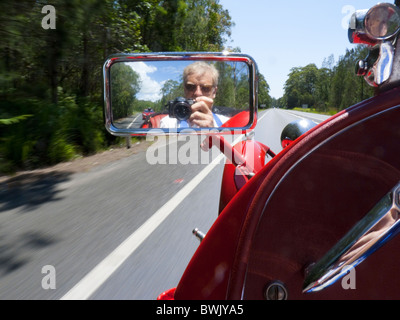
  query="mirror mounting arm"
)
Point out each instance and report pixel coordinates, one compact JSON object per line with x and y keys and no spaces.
{"x":228,"y":150}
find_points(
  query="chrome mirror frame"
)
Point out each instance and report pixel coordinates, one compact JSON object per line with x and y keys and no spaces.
{"x":361,"y":23}
{"x":182,"y":56}
{"x":387,"y":7}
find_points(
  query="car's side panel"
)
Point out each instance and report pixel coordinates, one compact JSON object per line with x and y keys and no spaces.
{"x":321,"y":197}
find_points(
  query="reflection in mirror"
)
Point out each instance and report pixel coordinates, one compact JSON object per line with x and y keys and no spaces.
{"x":178,"y":94}
{"x":382,"y":21}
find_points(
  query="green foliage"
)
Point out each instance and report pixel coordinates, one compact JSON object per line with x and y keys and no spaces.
{"x":126,"y":84}
{"x":208,"y":21}
{"x":51,"y":79}
{"x":330,"y":88}
{"x":233,"y":87}
{"x":60,"y":150}
{"x":15,"y":119}
{"x":170,"y":90}
{"x":263,"y":92}
{"x":54,"y":132}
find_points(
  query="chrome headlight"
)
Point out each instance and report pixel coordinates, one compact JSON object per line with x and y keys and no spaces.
{"x":379,"y":23}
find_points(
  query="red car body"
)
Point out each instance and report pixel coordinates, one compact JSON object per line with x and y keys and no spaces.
{"x":146,"y":113}
{"x":323,"y":211}
{"x":286,"y":217}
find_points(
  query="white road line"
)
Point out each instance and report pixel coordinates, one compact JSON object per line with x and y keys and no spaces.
{"x":133,"y":121}
{"x":309,"y":116}
{"x":97,"y":276}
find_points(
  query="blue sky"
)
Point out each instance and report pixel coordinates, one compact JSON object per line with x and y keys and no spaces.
{"x":281,"y":35}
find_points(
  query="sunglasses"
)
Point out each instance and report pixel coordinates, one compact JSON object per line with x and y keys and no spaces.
{"x":203,"y":87}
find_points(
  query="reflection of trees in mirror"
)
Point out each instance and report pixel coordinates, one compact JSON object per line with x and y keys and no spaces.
{"x":171,"y":90}
{"x":233,"y":87}
{"x":233,"y":91}
{"x":138,"y":85}
{"x":125,"y":86}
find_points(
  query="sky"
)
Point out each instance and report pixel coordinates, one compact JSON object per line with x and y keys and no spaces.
{"x":154,"y":74}
{"x":281,"y":35}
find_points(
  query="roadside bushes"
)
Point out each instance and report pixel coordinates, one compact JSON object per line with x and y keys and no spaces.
{"x":52,"y":133}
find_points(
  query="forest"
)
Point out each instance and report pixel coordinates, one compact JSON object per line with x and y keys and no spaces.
{"x":328,"y":89}
{"x":51,"y":100}
{"x":51,"y":103}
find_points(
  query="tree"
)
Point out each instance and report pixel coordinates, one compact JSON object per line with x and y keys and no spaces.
{"x":322,"y":89}
{"x":125,"y":86}
{"x":300,"y":88}
{"x":170,"y":90}
{"x":332,"y":87}
{"x":346,"y":88}
{"x":55,"y":75}
{"x":205,"y":27}
{"x":263,"y":92}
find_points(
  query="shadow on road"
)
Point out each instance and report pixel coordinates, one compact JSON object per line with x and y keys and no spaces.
{"x":29,"y":190}
{"x":16,"y":251}
{"x":26,"y":192}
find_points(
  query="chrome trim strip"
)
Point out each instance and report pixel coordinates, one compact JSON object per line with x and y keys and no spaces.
{"x":379,"y":226}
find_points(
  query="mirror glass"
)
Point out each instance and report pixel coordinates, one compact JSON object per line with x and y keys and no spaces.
{"x":382,"y":21}
{"x":173,"y":93}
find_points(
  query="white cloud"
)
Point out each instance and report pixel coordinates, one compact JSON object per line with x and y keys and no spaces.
{"x":150,"y":88}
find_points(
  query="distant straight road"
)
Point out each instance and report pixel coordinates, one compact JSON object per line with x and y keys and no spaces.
{"x":119,"y":231}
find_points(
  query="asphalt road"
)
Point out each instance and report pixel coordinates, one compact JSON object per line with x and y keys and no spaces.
{"x":119,"y":231}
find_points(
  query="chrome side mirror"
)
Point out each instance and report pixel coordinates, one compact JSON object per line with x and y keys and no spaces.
{"x":379,"y":23}
{"x":174,"y":92}
{"x":377,"y":27}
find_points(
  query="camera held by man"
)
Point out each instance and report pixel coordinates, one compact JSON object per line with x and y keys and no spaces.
{"x":180,"y":108}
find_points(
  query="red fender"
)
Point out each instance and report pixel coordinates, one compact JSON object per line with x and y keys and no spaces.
{"x":233,"y":179}
{"x":248,"y":245}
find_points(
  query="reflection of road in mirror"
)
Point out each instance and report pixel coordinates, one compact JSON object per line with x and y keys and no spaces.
{"x":133,"y":121}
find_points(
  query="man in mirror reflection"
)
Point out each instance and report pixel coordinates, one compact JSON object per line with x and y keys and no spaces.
{"x":200,"y":81}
